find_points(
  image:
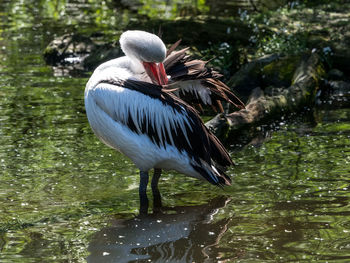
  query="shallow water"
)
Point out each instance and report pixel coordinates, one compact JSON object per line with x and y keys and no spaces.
{"x":65,"y":197}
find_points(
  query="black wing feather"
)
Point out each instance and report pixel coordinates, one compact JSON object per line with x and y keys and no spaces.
{"x":181,"y":67}
{"x":202,"y":143}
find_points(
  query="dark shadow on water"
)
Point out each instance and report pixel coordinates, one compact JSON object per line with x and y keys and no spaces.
{"x":177,"y":234}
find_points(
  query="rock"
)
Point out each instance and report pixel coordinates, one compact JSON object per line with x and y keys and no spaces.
{"x":267,"y":73}
{"x":249,"y":76}
{"x":279,"y":72}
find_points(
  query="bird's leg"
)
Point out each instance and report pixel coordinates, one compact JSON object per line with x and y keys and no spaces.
{"x":157,"y":201}
{"x":143,"y":192}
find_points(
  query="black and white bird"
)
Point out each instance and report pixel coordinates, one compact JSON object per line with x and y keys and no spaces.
{"x":133,"y":104}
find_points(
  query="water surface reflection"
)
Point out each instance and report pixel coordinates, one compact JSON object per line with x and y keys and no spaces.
{"x":176,"y":234}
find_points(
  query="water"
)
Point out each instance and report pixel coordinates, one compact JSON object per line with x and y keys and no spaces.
{"x":65,"y":197}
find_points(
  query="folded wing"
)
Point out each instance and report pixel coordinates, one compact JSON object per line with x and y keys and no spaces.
{"x":196,"y":83}
{"x":167,"y":121}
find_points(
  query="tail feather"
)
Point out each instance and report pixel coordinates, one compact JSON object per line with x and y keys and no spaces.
{"x":212,"y":174}
{"x":218,"y":152}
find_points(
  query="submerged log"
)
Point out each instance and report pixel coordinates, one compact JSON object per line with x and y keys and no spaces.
{"x":273,"y":101}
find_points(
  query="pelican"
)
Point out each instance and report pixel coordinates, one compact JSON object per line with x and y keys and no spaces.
{"x":133,"y":104}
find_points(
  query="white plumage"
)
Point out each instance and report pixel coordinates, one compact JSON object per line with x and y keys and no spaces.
{"x":194,"y":87}
{"x":108,"y":108}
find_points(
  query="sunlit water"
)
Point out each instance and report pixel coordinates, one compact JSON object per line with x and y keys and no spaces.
{"x":65,"y":197}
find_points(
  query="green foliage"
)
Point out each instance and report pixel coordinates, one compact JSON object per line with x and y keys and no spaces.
{"x":282,"y":44}
{"x":172,"y":9}
{"x":222,"y":57}
{"x":298,"y":27}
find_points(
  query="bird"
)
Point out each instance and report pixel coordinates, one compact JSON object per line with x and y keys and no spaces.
{"x":137,"y":105}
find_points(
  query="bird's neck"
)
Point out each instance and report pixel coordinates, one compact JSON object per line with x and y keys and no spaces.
{"x":136,"y":66}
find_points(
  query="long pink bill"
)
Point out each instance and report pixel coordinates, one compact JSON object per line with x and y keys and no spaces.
{"x":156,"y":72}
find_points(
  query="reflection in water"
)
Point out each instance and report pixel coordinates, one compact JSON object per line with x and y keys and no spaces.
{"x":178,"y":234}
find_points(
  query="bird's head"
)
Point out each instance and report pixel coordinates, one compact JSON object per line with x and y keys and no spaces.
{"x":149,"y":49}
